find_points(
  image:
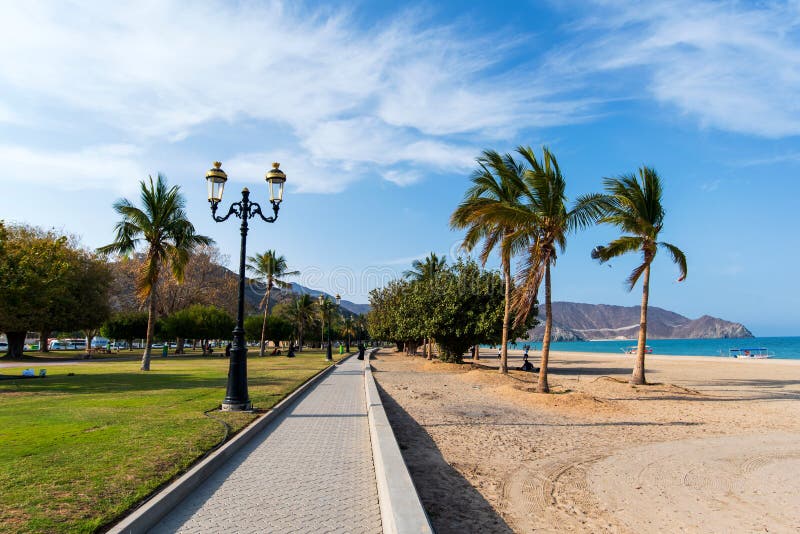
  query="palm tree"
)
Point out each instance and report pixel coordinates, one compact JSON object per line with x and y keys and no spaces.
{"x":162,"y":226}
{"x":544,"y":221}
{"x":633,"y":203}
{"x":426,"y":271}
{"x":270,"y":268}
{"x":348,"y":330}
{"x":361,"y":326}
{"x":487,"y":212}
{"x":302,"y":313}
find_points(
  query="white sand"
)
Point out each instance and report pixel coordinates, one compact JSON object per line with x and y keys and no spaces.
{"x":714,"y":447}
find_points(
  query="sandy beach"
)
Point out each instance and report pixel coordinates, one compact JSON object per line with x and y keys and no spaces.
{"x":713,"y":445}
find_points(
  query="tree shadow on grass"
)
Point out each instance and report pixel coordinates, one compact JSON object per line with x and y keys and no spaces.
{"x":449,"y":499}
{"x":127,"y":382}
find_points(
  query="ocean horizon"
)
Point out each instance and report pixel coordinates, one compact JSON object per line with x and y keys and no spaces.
{"x":786,"y":347}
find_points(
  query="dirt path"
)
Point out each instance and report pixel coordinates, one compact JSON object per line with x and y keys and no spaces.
{"x":488,"y":455}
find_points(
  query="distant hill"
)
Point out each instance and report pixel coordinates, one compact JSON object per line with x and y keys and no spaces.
{"x":574,"y":321}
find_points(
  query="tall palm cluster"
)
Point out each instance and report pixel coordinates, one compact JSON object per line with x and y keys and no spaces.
{"x":517,"y":206}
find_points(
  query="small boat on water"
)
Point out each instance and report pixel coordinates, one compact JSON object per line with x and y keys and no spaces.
{"x":759,"y":353}
{"x":632,"y":350}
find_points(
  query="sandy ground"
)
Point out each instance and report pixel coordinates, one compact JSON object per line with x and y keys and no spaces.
{"x":712,"y":446}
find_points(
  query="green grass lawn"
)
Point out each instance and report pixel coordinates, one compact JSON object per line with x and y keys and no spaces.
{"x":77,"y":451}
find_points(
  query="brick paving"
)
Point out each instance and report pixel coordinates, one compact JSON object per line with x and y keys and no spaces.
{"x":310,"y":470}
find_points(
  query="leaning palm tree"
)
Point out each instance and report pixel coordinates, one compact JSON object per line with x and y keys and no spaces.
{"x":271,"y":269}
{"x":544,"y":220}
{"x":426,"y":271}
{"x":301,"y":314}
{"x":488,"y":212}
{"x":633,"y":203}
{"x":162,"y":227}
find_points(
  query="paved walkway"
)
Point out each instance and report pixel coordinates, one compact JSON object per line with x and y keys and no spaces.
{"x":310,"y":470}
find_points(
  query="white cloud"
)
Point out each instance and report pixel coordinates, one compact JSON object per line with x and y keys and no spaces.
{"x":386,"y":95}
{"x":109,"y":167}
{"x":303,"y":174}
{"x":399,"y":100}
{"x":733,"y":66}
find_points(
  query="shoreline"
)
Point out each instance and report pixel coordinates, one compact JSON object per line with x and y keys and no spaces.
{"x":491,"y":354}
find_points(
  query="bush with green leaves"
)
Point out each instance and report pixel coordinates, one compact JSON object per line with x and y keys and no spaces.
{"x":462,"y":306}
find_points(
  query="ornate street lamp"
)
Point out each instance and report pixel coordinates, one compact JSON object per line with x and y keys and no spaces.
{"x":236,"y":397}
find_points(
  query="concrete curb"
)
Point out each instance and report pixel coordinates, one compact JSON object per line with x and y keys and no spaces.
{"x":401,"y":509}
{"x":152,"y":511}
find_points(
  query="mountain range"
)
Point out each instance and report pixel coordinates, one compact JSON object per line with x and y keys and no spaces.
{"x":573,"y":321}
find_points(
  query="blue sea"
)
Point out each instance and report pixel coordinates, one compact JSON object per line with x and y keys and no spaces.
{"x":782,"y":347}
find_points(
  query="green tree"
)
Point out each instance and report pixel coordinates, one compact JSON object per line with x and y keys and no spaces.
{"x":385,"y":309}
{"x":427,"y":272}
{"x":278,"y":328}
{"x":161,"y":225}
{"x":33,"y":265}
{"x":464,"y":306}
{"x":301,"y":313}
{"x":47,"y":282}
{"x":633,"y":204}
{"x":544,"y":220}
{"x":487,"y":213}
{"x":198,"y":322}
{"x":270,"y":268}
{"x":126,"y":326}
{"x":468,"y":308}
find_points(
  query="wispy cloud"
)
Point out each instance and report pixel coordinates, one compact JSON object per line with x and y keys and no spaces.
{"x":398,"y":101}
{"x":111,"y":167}
{"x":734,"y":66}
{"x":390,"y":95}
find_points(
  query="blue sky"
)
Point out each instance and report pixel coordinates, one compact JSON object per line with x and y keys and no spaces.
{"x":376,"y":112}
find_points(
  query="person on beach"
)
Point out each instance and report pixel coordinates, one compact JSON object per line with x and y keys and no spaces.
{"x":526,"y":365}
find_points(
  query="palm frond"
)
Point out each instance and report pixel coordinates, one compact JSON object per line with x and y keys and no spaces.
{"x":635,"y":275}
{"x":678,"y":257}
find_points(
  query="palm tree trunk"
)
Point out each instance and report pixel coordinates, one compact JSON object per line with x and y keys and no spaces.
{"x":506,"y":317}
{"x":264,"y":325}
{"x":638,"y":370}
{"x":151,"y":326}
{"x":542,"y":386}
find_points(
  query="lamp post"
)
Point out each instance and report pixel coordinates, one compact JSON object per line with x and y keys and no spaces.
{"x":236,"y":397}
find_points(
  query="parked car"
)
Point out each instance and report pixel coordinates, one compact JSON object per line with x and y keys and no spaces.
{"x":67,"y":344}
{"x":3,"y":345}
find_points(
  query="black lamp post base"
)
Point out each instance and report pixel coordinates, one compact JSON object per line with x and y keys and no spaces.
{"x":237,"y":406}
